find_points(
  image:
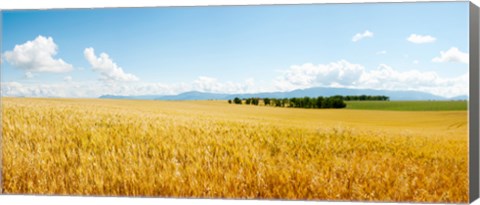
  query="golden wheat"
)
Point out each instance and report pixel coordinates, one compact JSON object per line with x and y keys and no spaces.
{"x":213,"y":149}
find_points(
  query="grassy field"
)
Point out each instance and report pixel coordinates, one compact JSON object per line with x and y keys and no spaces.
{"x":407,"y":105}
{"x":212,"y":149}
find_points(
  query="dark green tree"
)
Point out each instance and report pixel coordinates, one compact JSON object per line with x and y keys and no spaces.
{"x":237,"y":100}
{"x":285,"y":102}
{"x":337,"y":103}
{"x":326,"y":103}
{"x":319,"y":102}
{"x":255,"y":101}
{"x":278,"y":103}
{"x":266,"y":101}
{"x":306,"y":102}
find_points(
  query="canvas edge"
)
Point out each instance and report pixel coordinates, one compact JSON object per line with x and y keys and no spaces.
{"x":474,"y":111}
{"x":1,"y":124}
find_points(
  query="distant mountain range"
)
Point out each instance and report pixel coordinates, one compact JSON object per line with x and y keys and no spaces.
{"x":310,"y":92}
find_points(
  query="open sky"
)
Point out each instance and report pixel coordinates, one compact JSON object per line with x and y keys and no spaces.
{"x":235,"y":49}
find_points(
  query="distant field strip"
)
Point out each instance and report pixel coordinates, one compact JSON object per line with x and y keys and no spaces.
{"x":407,"y":105}
{"x":212,"y":149}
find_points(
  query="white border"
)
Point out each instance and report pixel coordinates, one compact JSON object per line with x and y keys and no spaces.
{"x":49,"y":4}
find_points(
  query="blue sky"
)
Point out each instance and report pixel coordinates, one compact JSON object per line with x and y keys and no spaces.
{"x":235,"y":49}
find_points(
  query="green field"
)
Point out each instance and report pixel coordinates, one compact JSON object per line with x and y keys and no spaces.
{"x":407,"y":105}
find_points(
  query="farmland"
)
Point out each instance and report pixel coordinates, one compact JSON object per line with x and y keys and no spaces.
{"x":212,"y":149}
{"x":407,"y":105}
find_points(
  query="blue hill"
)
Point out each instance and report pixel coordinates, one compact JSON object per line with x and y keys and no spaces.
{"x":311,"y":92}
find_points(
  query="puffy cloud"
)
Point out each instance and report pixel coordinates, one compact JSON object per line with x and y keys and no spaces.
{"x":346,"y":74}
{"x":452,"y":55}
{"x":360,"y":36}
{"x":414,"y":38}
{"x":110,"y":71}
{"x":29,"y":75}
{"x":308,"y":75}
{"x":67,"y":78}
{"x":208,"y":84}
{"x":387,"y":78}
{"x":37,"y":56}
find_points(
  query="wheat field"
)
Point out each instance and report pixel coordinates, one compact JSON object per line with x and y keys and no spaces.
{"x":212,"y":149}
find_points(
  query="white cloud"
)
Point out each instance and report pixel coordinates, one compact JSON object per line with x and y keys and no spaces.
{"x":336,"y":74}
{"x":29,"y":75}
{"x":360,"y":36}
{"x":414,"y":38}
{"x":110,"y":71}
{"x":208,"y":84}
{"x":79,"y":89}
{"x":94,"y":89}
{"x":140,"y":88}
{"x":385,"y":77}
{"x":67,"y":78}
{"x":35,"y":90}
{"x":37,"y":56}
{"x":308,"y":75}
{"x":388,"y":78}
{"x":382,"y":52}
{"x":346,"y":74}
{"x":416,"y":62}
{"x":452,"y":55}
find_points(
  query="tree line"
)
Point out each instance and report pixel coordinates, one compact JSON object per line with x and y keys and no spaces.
{"x":336,"y":101}
{"x":305,"y":102}
{"x":364,"y":97}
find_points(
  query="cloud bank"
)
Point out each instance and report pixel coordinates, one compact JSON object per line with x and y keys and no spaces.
{"x":93,"y":89}
{"x":349,"y":75}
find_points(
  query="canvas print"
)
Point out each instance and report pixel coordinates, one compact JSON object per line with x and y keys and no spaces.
{"x":330,"y":102}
